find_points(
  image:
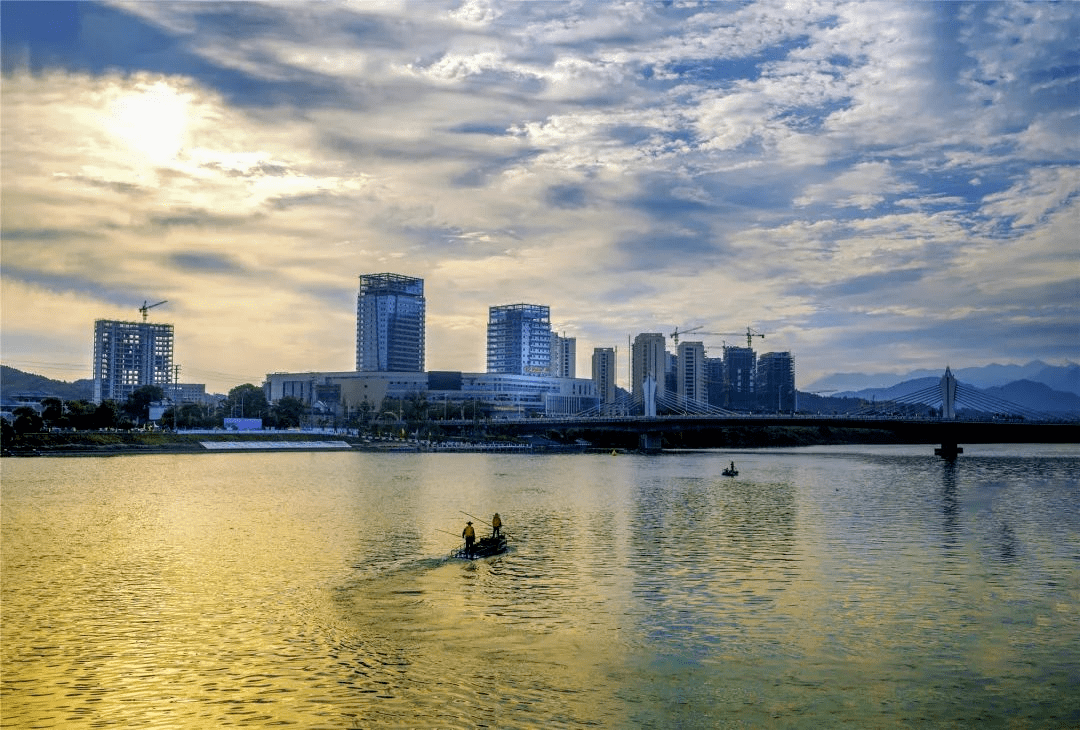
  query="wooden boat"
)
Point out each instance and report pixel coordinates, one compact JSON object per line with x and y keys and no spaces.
{"x":485,"y":547}
{"x":730,"y":472}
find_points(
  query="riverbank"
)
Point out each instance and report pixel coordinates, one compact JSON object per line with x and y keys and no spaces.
{"x":116,"y":443}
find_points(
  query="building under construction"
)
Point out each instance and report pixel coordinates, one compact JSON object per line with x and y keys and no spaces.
{"x":775,"y":382}
{"x":390,"y":323}
{"x":129,"y":355}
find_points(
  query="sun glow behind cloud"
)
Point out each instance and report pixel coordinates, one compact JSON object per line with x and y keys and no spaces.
{"x":151,"y":120}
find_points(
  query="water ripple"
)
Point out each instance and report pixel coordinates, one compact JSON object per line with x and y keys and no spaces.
{"x":866,"y":587}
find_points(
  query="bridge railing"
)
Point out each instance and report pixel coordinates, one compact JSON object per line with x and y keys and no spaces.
{"x":793,"y":417}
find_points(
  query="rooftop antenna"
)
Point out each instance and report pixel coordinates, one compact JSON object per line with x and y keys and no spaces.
{"x":147,"y":307}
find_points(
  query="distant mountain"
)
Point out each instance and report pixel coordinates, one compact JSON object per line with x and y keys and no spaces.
{"x":1025,"y":393}
{"x":1037,"y":396}
{"x":16,"y":382}
{"x":893,"y":392}
{"x":1059,"y":377}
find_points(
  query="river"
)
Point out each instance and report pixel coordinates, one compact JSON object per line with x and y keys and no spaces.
{"x":863,"y":587}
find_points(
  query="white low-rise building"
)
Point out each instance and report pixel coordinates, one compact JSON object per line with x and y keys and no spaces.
{"x":490,"y":395}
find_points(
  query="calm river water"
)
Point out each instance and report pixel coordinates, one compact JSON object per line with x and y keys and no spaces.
{"x":863,"y":587}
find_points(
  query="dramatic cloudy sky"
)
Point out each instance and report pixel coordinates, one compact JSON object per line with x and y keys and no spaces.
{"x":875,"y":186}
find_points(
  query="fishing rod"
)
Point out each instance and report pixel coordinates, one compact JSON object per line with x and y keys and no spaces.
{"x":502,"y":530}
{"x":478,"y":519}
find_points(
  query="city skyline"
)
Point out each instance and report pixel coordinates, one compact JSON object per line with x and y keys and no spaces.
{"x":877,"y":187}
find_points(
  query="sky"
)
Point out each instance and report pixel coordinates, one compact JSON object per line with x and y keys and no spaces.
{"x":874,"y":187}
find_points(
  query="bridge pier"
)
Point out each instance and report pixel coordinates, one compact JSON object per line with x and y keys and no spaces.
{"x":949,"y":450}
{"x":650,"y":441}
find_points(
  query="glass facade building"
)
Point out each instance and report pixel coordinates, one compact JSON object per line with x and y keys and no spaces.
{"x":390,"y":310}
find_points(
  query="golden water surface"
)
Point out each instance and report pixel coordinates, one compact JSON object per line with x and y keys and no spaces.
{"x":860,"y":587}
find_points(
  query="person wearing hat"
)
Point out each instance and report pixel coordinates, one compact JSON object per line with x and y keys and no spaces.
{"x":470,"y":536}
{"x":496,"y":525}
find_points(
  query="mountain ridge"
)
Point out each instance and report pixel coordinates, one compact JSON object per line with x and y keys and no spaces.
{"x":1065,"y":378}
{"x":19,"y":382}
{"x":1027,"y":394}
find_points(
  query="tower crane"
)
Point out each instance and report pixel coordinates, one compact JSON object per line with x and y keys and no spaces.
{"x":675,"y":335}
{"x":677,"y":332}
{"x":750,"y":334}
{"x":147,"y":307}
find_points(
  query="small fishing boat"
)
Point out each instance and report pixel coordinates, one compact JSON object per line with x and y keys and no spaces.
{"x":730,"y":472}
{"x":485,"y":547}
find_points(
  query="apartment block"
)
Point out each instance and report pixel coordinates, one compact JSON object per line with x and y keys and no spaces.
{"x":604,"y":377}
{"x":690,"y":380}
{"x":563,"y":356}
{"x":648,"y":360}
{"x":390,"y":314}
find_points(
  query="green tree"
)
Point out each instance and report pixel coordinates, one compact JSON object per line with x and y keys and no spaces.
{"x":246,"y":401}
{"x":187,"y":415}
{"x":137,"y":405}
{"x":7,"y":431}
{"x":288,"y":412}
{"x":364,"y":412}
{"x":27,"y":420}
{"x":416,"y":408}
{"x":80,"y":414}
{"x":52,"y":412}
{"x":106,"y":415}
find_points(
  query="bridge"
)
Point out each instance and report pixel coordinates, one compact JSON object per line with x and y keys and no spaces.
{"x":712,"y":430}
{"x":948,"y":414}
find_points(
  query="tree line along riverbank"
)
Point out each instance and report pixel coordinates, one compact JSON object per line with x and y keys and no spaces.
{"x":74,"y":443}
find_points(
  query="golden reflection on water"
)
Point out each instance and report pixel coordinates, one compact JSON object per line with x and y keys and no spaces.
{"x":314,"y":590}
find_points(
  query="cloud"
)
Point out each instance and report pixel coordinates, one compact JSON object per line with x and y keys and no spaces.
{"x":869,"y":181}
{"x":202,"y":262}
{"x":864,"y":186}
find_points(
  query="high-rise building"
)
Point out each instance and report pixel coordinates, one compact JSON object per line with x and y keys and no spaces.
{"x":604,"y":377}
{"x":671,"y":372}
{"x":563,"y":356}
{"x":775,"y":382}
{"x":714,"y":381}
{"x":690,"y":373}
{"x":519,"y":339}
{"x":129,"y":355}
{"x":739,"y":378}
{"x":649,"y":359}
{"x":390,"y":312}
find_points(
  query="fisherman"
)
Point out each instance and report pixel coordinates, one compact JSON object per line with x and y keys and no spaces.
{"x":496,"y":525}
{"x":470,"y":536}
{"x":733,"y":466}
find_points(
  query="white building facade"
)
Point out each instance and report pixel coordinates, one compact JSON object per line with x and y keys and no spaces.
{"x":495,"y":395}
{"x":649,"y":360}
{"x":690,"y":373}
